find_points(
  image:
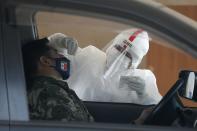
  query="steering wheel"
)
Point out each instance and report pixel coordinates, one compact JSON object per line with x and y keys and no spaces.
{"x":166,"y":111}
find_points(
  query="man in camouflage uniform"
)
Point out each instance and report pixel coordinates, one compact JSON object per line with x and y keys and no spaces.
{"x":49,"y":97}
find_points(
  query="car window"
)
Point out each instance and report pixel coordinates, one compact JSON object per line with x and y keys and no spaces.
{"x":163,"y":58}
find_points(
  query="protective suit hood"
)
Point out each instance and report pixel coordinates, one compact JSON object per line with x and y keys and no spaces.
{"x":132,"y":43}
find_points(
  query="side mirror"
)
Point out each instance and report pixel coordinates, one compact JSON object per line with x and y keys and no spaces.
{"x":189,"y":89}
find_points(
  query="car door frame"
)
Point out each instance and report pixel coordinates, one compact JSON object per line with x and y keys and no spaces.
{"x":4,"y":109}
{"x":13,"y":67}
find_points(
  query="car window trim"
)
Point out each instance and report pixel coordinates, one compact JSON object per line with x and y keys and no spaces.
{"x":4,"y":110}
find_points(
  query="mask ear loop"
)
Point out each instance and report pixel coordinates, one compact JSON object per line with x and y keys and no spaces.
{"x":49,"y":57}
{"x":44,"y":60}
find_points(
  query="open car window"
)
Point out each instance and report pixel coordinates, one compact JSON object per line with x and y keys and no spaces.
{"x":95,"y":36}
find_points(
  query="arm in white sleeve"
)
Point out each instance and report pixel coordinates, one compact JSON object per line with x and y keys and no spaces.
{"x":63,"y":44}
{"x":132,"y":83}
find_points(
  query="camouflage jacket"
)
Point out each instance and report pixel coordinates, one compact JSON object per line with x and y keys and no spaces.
{"x":51,"y":99}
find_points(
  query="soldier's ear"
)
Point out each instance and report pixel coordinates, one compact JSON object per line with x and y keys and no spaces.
{"x":45,"y":61}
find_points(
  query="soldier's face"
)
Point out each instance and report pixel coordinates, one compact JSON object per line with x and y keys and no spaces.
{"x":52,"y":54}
{"x":59,"y":64}
{"x":47,"y":60}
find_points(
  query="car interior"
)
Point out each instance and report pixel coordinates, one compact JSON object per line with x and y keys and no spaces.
{"x":22,"y":26}
{"x":128,"y":112}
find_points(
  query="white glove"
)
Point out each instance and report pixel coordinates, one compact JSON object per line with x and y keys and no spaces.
{"x":132,"y":83}
{"x":61,"y":42}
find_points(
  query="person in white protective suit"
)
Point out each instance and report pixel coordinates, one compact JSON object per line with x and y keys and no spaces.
{"x":112,"y":76}
{"x":123,"y":57}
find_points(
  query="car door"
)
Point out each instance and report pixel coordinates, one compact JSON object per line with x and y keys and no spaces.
{"x":21,"y":31}
{"x":4,"y":110}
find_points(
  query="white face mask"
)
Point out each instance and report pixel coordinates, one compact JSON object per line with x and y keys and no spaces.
{"x":136,"y":60}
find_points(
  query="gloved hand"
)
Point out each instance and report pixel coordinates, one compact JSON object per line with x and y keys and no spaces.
{"x":61,"y":42}
{"x":132,"y":83}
